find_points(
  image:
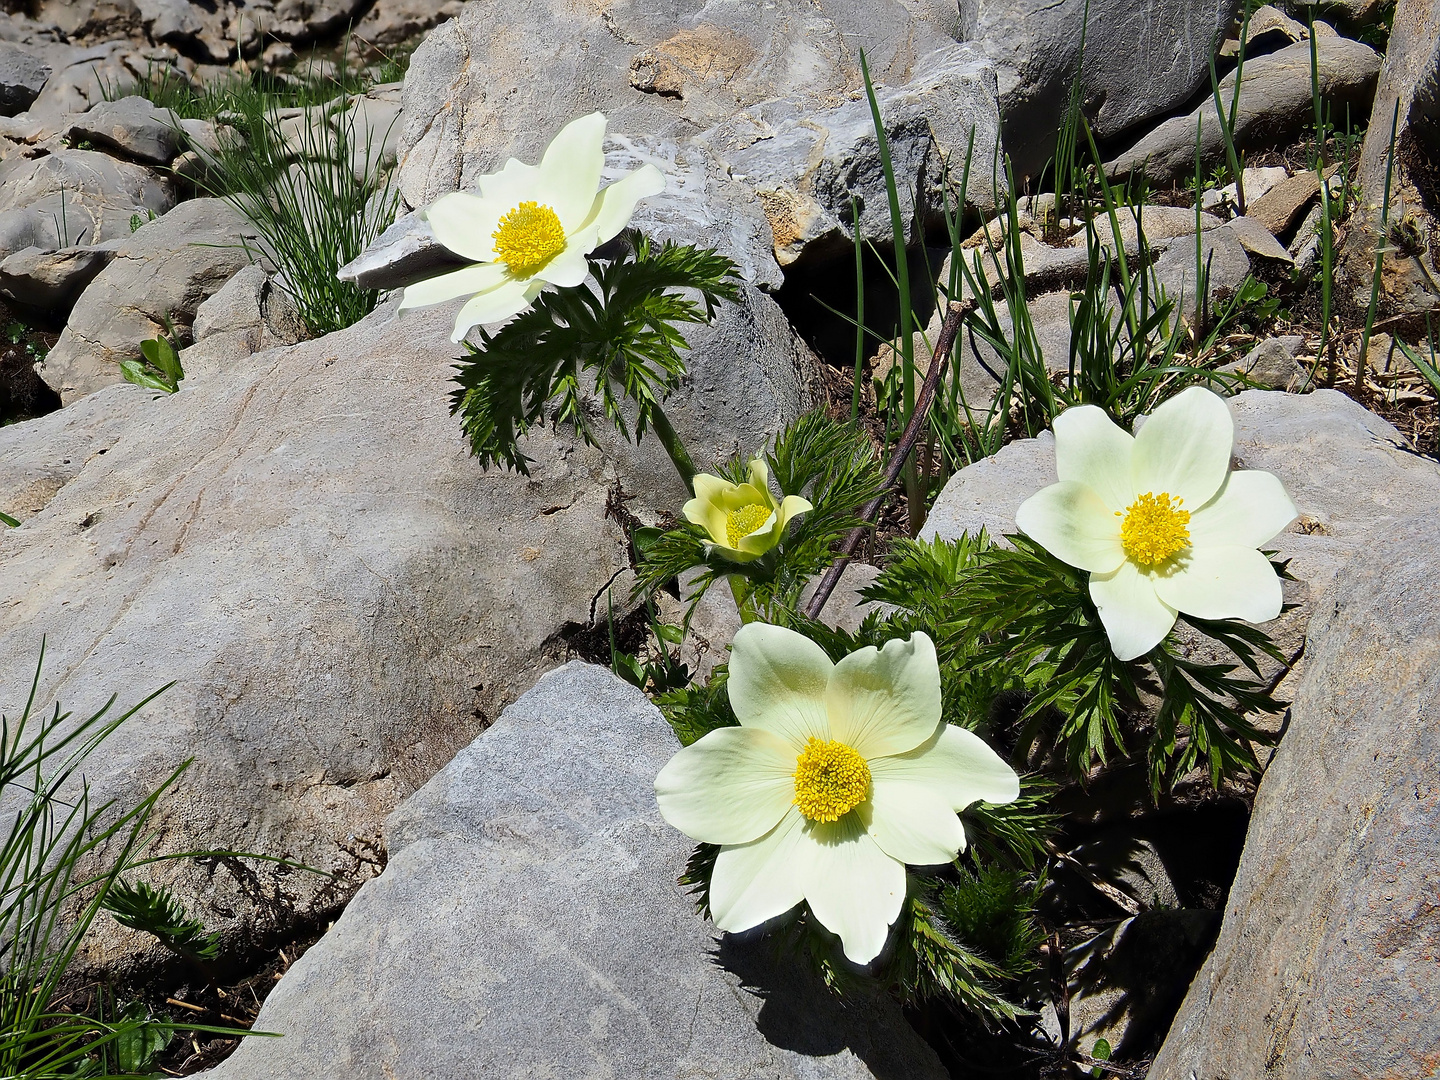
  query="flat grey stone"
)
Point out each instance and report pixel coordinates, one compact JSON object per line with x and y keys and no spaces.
{"x":529,"y":924}
{"x":1275,"y":106}
{"x":41,"y":278}
{"x":1271,"y":363}
{"x":131,"y":127}
{"x":1325,"y":966}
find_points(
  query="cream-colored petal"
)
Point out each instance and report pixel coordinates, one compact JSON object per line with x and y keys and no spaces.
{"x":570,"y":170}
{"x":886,"y":701}
{"x":1223,"y":583}
{"x":1184,"y":448}
{"x":762,"y":539}
{"x":1074,"y":524}
{"x":1250,"y":509}
{"x":729,"y":787}
{"x":567,"y":269}
{"x":755,"y":882}
{"x":1093,"y":450}
{"x":777,"y":682}
{"x":616,"y":203}
{"x":506,"y":299}
{"x":467,"y":281}
{"x":852,"y":887}
{"x":912,"y":824}
{"x":956,"y":765}
{"x":704,"y":510}
{"x":792,"y":505}
{"x":1135,"y":618}
{"x":466,"y":224}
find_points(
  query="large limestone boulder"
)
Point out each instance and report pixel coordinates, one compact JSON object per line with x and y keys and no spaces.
{"x":673,"y":72}
{"x":1135,"y":67}
{"x":1325,"y":966}
{"x":301,"y":541}
{"x":529,"y":924}
{"x":163,"y":271}
{"x":22,"y":77}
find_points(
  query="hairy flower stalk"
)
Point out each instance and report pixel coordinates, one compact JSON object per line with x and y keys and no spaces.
{"x":837,"y":777}
{"x":1159,"y":520}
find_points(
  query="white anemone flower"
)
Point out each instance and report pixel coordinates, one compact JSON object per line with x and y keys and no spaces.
{"x":838,"y":775}
{"x":530,"y":226}
{"x":743,"y":521}
{"x":1159,"y":520}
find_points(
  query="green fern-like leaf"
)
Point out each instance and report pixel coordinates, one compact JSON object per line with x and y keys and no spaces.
{"x":156,"y":911}
{"x":618,"y":339}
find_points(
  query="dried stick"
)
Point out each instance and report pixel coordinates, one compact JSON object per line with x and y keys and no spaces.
{"x":954,"y":315}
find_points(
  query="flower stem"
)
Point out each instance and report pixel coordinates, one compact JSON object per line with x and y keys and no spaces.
{"x":679,"y":456}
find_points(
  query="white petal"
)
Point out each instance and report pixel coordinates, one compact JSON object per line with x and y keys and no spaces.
{"x":911,"y":823}
{"x":1135,"y":618}
{"x":567,"y":269}
{"x":1184,"y":448}
{"x":792,"y":505}
{"x":1093,"y":450}
{"x":616,"y":204}
{"x":1250,"y":509}
{"x":1223,"y":583}
{"x":853,"y":887}
{"x":956,"y":765}
{"x":466,"y":224}
{"x":886,"y":701}
{"x":777,"y":682}
{"x":511,"y":186}
{"x":506,"y":299}
{"x":1074,"y":524}
{"x":467,"y":281}
{"x":570,"y":170}
{"x":756,"y":881}
{"x":729,"y":787}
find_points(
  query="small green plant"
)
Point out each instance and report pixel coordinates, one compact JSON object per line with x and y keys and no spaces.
{"x":158,"y":367}
{"x":8,"y":521}
{"x":1234,"y":159}
{"x":155,"y":911}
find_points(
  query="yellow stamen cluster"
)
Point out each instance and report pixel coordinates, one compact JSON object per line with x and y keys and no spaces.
{"x":743,"y":521}
{"x":528,"y":237}
{"x":831,"y":779}
{"x":1153,"y":529}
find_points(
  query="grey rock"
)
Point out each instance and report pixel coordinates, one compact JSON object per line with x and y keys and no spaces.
{"x":306,"y":20}
{"x":532,"y":883}
{"x":1351,"y":474}
{"x":1275,"y":105}
{"x":1409,"y":82}
{"x":406,"y":252}
{"x":1272,"y":363}
{"x":250,"y":312}
{"x":1223,"y":258}
{"x":22,"y":77}
{"x":162,"y":271}
{"x":1270,"y":30}
{"x":1258,"y":183}
{"x":1285,"y":204}
{"x":51,"y":280}
{"x":694,"y":64}
{"x":133,"y":127}
{"x":73,"y":198}
{"x":1305,"y":248}
{"x":1325,"y":965}
{"x":1134,"y":68}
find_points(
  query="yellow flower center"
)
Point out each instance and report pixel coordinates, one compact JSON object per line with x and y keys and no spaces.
{"x":528,"y":237}
{"x":744,"y":521}
{"x":1154,"y":528}
{"x":831,"y":779}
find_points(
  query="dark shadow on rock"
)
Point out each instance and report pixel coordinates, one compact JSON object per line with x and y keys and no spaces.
{"x":800,"y":1015}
